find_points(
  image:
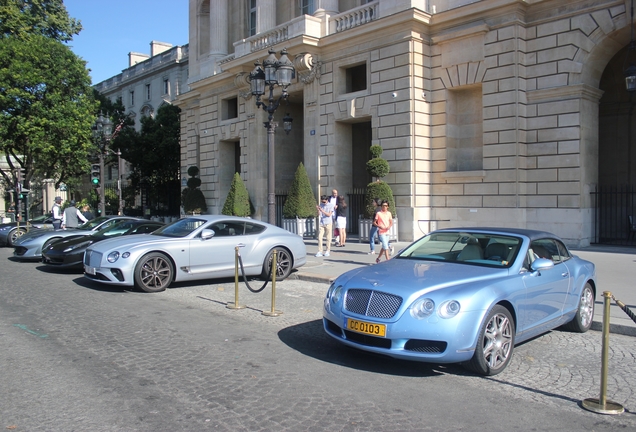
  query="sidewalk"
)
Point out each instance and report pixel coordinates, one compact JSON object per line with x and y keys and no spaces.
{"x":615,"y":270}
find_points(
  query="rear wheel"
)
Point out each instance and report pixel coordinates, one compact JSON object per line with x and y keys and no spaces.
{"x":284,"y":264}
{"x":585,"y":312}
{"x":15,"y":234}
{"x":495,"y":344}
{"x":154,"y":272}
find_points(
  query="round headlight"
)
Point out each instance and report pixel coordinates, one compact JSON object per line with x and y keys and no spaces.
{"x":112,"y":257}
{"x":422,"y":308}
{"x":449,"y":309}
{"x":125,"y":255}
{"x":337,"y":294}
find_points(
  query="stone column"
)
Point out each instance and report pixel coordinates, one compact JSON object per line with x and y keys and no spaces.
{"x":219,"y":32}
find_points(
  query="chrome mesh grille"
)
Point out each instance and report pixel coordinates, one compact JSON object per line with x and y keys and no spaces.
{"x":92,"y":258}
{"x":371,"y":303}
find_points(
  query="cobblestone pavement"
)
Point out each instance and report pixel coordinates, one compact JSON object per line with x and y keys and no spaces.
{"x":81,"y":356}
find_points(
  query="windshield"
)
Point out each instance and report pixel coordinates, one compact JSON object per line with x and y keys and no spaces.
{"x":118,"y":229}
{"x":180,"y":228}
{"x":93,"y":223}
{"x":465,"y":248}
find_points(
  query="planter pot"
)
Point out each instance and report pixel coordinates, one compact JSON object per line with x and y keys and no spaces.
{"x":364,"y":227}
{"x":302,"y":227}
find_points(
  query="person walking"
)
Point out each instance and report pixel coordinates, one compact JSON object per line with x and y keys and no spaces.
{"x":384,"y":221}
{"x":333,"y":200}
{"x":341,"y":220}
{"x":72,"y":216}
{"x":56,"y":213}
{"x":374,"y":229}
{"x":325,"y":215}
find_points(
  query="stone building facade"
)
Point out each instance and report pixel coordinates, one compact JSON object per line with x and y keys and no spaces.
{"x":148,"y":82}
{"x":491,"y":113}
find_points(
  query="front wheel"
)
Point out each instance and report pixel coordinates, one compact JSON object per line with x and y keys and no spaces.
{"x":14,"y":235}
{"x":283,"y":264}
{"x":495,"y":344}
{"x":582,"y":321}
{"x":154,"y":272}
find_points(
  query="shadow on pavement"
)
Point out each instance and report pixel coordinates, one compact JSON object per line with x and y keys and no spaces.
{"x":310,"y":339}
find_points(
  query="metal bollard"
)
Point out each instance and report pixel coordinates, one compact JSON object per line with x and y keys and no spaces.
{"x":602,"y":405}
{"x":273,"y":312}
{"x":236,"y":282}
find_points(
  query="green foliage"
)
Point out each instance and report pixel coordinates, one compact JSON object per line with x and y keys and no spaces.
{"x":193,"y":201}
{"x":192,"y":198}
{"x":47,"y":107}
{"x":376,"y":151}
{"x":300,"y":202}
{"x":154,"y":156}
{"x":237,"y":202}
{"x":378,"y":167}
{"x":193,"y":171}
{"x":48,"y":18}
{"x":381,"y":190}
{"x":194,"y":182}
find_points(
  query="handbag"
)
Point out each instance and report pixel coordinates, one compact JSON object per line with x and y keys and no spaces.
{"x":336,"y":232}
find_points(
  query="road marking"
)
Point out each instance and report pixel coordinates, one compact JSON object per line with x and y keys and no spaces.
{"x":26,"y":329}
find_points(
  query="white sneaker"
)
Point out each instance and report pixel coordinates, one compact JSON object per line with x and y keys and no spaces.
{"x":327,"y":253}
{"x":319,"y":254}
{"x":371,"y":253}
{"x":391,"y":250}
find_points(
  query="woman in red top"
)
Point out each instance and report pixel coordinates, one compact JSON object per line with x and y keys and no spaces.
{"x":384,"y":221}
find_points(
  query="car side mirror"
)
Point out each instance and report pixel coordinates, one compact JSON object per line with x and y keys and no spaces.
{"x":207,"y":234}
{"x":541,"y":264}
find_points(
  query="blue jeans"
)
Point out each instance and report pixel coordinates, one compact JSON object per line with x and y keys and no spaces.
{"x":372,"y":232}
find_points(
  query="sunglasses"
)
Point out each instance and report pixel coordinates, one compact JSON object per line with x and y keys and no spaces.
{"x":385,"y":205}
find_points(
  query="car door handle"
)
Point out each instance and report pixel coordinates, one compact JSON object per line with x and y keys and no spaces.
{"x":566,"y":274}
{"x":240,"y":245}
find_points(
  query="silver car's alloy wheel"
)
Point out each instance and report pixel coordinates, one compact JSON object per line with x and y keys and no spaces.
{"x":582,"y":321}
{"x":284,"y":264}
{"x":154,"y":272}
{"x":495,"y":343}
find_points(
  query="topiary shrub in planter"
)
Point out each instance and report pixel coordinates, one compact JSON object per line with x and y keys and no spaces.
{"x":299,"y":211}
{"x":377,"y":167}
{"x":237,"y":202}
{"x":191,"y":197}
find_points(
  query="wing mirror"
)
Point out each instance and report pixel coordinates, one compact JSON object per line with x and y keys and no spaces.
{"x":541,"y":264}
{"x":207,"y":234}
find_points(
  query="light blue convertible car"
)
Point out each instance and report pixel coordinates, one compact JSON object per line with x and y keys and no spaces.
{"x":463,"y":295}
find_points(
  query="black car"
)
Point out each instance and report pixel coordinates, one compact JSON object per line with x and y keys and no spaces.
{"x":69,"y":252}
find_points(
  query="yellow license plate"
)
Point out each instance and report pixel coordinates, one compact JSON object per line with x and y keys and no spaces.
{"x":366,"y":328}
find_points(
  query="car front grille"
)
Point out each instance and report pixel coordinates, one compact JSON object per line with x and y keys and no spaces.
{"x":425,"y":346}
{"x":92,"y":258}
{"x":372,"y":303}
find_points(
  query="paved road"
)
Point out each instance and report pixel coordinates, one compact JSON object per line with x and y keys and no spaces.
{"x":81,"y":356}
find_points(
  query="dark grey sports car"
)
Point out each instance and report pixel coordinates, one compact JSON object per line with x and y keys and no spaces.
{"x":69,"y":252}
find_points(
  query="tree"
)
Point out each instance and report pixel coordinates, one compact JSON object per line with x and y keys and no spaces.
{"x":378,"y":167}
{"x":301,"y":202}
{"x":237,"y":202}
{"x":154,"y":156}
{"x":46,"y":109}
{"x":192,"y":198}
{"x":48,"y":18}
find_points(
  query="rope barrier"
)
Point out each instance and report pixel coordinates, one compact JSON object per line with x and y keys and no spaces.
{"x":625,"y":309}
{"x":256,"y":291}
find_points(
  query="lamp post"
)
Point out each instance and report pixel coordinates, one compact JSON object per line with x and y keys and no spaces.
{"x":102,"y":133}
{"x":274,"y":72}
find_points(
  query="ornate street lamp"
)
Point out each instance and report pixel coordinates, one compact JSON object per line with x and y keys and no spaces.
{"x":274,"y":72}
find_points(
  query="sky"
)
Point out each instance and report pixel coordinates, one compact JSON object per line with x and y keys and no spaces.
{"x":113,"y":28}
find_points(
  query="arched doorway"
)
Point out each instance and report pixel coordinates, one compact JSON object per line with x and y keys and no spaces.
{"x":616,"y":192}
